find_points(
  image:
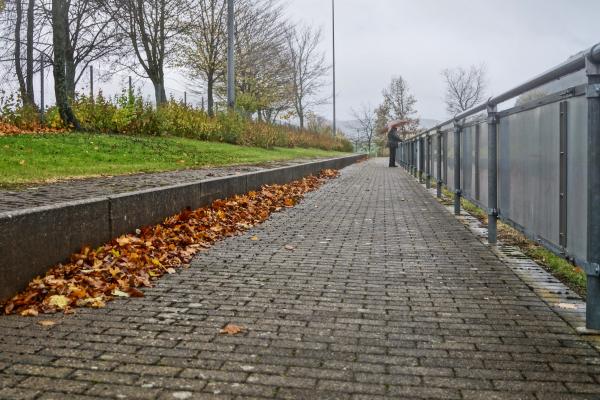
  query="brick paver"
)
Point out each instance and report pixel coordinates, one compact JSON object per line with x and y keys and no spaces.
{"x":386,"y":295}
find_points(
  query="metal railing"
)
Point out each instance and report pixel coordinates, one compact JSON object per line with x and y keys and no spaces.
{"x":537,"y":169}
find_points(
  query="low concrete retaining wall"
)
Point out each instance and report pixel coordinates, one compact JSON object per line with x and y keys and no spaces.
{"x":32,"y":240}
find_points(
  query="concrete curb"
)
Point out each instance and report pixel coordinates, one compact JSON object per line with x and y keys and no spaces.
{"x":33,"y":239}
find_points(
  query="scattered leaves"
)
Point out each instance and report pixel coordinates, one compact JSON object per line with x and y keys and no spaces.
{"x":121,"y":267}
{"x":29,"y":312}
{"x":58,"y":301}
{"x":120,"y":293}
{"x":231,"y":329}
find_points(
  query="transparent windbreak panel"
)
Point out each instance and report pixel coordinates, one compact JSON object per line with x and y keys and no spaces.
{"x":483,"y":165}
{"x":528,"y":170}
{"x":450,"y":160}
{"x":435,"y":153}
{"x":577,"y":176}
{"x":467,"y":161}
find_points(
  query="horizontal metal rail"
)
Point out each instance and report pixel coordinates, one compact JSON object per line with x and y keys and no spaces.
{"x":574,"y":64}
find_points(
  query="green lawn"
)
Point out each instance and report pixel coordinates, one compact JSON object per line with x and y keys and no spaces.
{"x":42,"y":158}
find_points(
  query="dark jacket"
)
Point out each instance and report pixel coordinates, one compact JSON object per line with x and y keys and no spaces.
{"x":393,"y":138}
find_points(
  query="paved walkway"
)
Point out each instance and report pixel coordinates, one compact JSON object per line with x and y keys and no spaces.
{"x":386,"y":295}
{"x":37,"y":195}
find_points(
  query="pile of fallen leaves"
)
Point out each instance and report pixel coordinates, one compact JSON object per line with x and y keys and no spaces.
{"x":119,"y":268}
{"x":11,"y":130}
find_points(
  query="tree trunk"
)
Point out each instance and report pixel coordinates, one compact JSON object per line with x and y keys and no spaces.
{"x":301,"y":117}
{"x":159,"y":92}
{"x":69,"y":64}
{"x":59,"y":40}
{"x":29,"y":73}
{"x":17,"y":53}
{"x":210,"y":83}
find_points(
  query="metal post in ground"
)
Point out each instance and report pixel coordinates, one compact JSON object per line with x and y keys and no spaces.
{"x":409,"y":155}
{"x":440,"y":182}
{"x":593,"y":190}
{"x":421,"y":159}
{"x":415,"y":160}
{"x":492,"y":121}
{"x":185,"y":99}
{"x":457,"y":191}
{"x":42,"y":99}
{"x":230,"y":55}
{"x":428,"y":163}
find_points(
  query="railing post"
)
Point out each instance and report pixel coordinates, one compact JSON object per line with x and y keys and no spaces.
{"x":421,"y":159}
{"x":440,"y":182}
{"x":457,"y":191}
{"x":593,"y":191}
{"x":412,"y":157}
{"x":492,"y":121}
{"x":427,"y":161}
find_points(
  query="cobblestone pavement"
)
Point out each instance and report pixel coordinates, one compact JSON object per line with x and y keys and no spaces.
{"x":385,"y":295}
{"x":38,"y":195}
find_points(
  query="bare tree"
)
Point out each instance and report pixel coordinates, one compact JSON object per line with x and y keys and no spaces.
{"x":91,"y":36}
{"x":18,"y":33}
{"x":465,"y":88}
{"x":399,"y":103}
{"x":203,"y":53}
{"x":307,"y":68}
{"x":60,"y":40}
{"x":367,"y":124}
{"x":153,"y":28}
{"x":262,"y":68}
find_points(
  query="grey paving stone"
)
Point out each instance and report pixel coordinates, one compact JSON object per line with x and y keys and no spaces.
{"x":379,"y":299}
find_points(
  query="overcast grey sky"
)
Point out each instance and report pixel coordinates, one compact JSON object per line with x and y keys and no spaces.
{"x":378,"y":39}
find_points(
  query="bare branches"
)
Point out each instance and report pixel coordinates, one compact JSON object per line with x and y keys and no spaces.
{"x":307,"y":69}
{"x":367,"y":124}
{"x":152,"y":28}
{"x":203,"y":52}
{"x":399,"y":103}
{"x":465,"y":88}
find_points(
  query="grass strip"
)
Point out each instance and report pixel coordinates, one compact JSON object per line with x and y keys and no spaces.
{"x":26,"y":159}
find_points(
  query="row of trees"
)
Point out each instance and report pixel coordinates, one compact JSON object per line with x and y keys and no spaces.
{"x":465,"y":88}
{"x":279,"y":68}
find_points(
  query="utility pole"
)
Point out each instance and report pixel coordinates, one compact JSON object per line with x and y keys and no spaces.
{"x":333,"y":35}
{"x":230,"y":55}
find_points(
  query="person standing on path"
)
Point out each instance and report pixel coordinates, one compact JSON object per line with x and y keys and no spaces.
{"x":393,"y":140}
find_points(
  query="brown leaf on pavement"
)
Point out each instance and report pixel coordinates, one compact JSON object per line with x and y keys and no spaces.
{"x":231,"y":329}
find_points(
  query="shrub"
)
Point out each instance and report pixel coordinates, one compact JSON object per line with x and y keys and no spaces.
{"x":130,"y":115}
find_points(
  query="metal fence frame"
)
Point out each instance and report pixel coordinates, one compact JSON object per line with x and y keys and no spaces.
{"x":438,"y":147}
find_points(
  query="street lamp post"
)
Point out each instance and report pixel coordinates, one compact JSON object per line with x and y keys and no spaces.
{"x":230,"y":55}
{"x":333,"y":35}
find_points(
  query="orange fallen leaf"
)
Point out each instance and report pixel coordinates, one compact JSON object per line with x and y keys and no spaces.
{"x":254,"y":238}
{"x":231,"y":329}
{"x":30,"y":312}
{"x":47,"y":323}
